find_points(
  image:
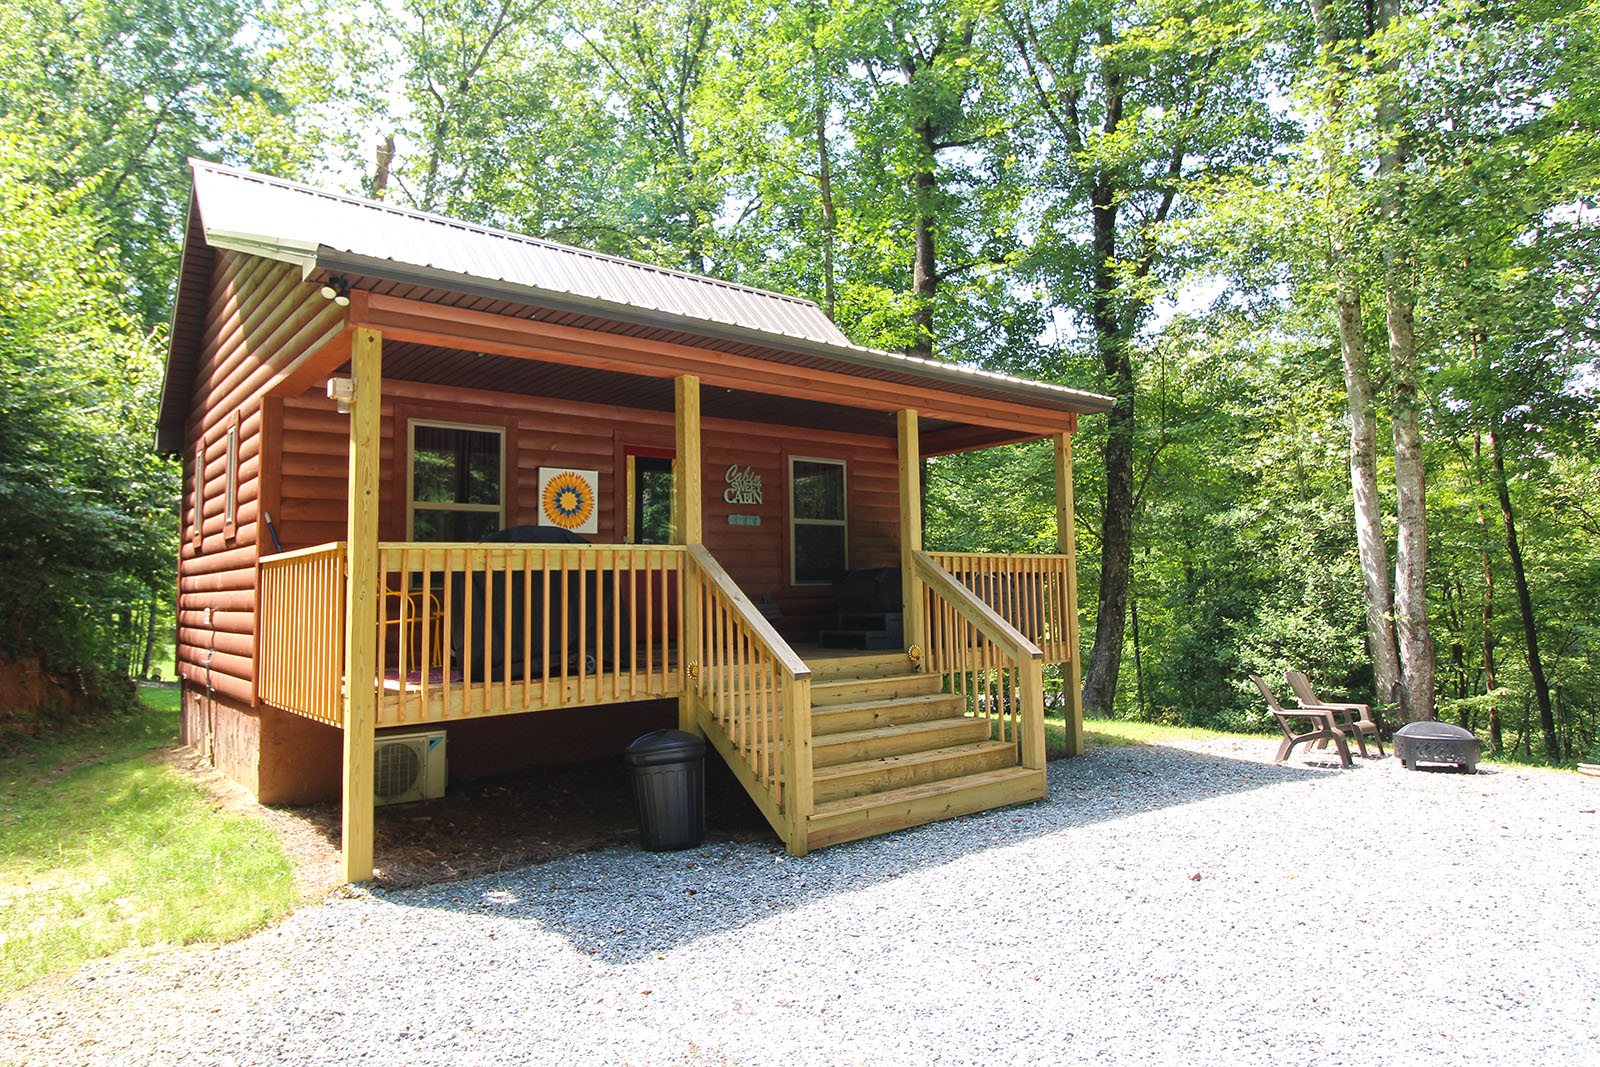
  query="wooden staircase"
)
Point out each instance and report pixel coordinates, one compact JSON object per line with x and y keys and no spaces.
{"x":889,"y":750}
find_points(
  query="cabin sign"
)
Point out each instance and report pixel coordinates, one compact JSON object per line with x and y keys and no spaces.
{"x":744,"y":486}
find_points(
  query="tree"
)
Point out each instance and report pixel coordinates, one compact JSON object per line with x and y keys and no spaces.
{"x":1134,"y":104}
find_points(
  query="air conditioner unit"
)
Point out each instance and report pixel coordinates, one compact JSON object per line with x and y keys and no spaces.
{"x":409,"y":766}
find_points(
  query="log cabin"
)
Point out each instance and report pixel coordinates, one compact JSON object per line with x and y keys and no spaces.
{"x":539,"y":499}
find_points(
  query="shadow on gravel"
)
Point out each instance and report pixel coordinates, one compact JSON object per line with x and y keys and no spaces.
{"x":621,"y":905}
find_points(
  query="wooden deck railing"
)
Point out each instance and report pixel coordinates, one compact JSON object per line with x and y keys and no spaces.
{"x":485,"y":629}
{"x":300,"y":665}
{"x":752,"y":695}
{"x":984,"y":658}
{"x":1032,"y":593}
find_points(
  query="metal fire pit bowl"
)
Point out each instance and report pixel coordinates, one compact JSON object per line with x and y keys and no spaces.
{"x":1436,"y":742}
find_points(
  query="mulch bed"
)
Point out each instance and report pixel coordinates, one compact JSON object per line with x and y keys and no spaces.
{"x":483,"y":826}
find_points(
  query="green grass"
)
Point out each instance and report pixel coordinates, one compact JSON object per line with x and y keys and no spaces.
{"x":102,"y":848}
{"x":1116,"y":733}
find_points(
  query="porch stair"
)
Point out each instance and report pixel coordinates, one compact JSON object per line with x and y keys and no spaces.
{"x":891,"y":751}
{"x":865,"y":630}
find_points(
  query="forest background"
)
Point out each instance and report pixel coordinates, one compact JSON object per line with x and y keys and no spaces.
{"x":1336,"y":262}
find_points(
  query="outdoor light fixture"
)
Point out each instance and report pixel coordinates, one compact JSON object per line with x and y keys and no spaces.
{"x":337,"y":289}
{"x":343,"y":392}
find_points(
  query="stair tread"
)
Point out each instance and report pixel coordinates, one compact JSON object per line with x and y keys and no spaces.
{"x":910,"y":700}
{"x":930,"y":755}
{"x":904,"y":794}
{"x":930,"y":726}
{"x":907,"y":678}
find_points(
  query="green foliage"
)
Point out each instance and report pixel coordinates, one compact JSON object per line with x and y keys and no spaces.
{"x":85,"y":527}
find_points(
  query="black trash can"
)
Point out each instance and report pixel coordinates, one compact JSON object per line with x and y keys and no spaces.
{"x":669,"y":788}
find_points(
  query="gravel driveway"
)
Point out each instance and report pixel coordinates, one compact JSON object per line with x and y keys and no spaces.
{"x":1165,"y":905}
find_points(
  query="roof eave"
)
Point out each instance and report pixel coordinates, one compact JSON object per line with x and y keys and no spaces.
{"x":949,"y":374}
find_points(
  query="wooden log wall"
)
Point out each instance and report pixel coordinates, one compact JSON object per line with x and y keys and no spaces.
{"x":260,"y":317}
{"x":544,"y":432}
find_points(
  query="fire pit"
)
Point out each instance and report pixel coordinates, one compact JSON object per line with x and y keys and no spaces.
{"x":1436,"y":742}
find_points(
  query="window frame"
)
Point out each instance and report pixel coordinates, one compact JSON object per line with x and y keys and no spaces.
{"x":412,"y":504}
{"x":795,"y":521}
{"x":230,"y":490}
{"x":197,"y":534}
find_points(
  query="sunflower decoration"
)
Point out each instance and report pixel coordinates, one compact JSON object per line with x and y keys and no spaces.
{"x":568,"y":500}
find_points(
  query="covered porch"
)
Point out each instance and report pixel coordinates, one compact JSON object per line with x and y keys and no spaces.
{"x":367,"y":631}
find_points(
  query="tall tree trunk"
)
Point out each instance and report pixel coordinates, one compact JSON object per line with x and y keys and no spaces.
{"x":1371,"y":544}
{"x":1373,"y":549}
{"x":924,"y":275}
{"x":1410,"y":477}
{"x":1530,"y":634}
{"x":1138,"y":656}
{"x":830,"y":214}
{"x":1116,"y":524}
{"x":1496,"y":741}
{"x":149,"y":634}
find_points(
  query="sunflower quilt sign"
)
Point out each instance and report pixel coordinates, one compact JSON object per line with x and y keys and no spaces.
{"x":567,"y":498}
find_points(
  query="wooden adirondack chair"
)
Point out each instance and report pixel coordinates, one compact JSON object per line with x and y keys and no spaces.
{"x":1353,"y":718}
{"x":1323,"y":720}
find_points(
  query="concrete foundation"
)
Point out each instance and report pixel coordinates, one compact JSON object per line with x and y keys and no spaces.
{"x":288,"y":759}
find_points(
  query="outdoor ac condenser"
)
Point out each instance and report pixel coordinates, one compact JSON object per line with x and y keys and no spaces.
{"x":409,"y":766}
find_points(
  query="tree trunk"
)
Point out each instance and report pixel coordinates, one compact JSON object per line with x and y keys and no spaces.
{"x":1116,"y":524}
{"x":1410,"y":477}
{"x":149,"y":634}
{"x":1541,"y":688}
{"x":1138,"y":657}
{"x":924,"y":276}
{"x":1496,"y":741}
{"x":1371,"y":546}
{"x":380,"y":176}
{"x":830,"y":215}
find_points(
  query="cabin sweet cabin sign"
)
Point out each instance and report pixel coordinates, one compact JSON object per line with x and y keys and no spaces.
{"x":744,"y":488}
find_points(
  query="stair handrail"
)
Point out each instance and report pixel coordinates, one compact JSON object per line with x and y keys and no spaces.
{"x":1027,"y":658}
{"x":787,"y":801}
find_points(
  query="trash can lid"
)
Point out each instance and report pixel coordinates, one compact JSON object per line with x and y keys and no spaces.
{"x":665,"y":746}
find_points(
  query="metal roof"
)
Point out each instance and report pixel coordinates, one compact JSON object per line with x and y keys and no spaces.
{"x":387,"y":248}
{"x":249,"y":212}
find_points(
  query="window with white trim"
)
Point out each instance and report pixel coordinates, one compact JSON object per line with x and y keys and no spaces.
{"x":818,"y":541}
{"x":230,"y":503}
{"x":456,"y":488}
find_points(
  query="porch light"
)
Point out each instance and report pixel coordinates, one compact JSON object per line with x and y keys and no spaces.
{"x":343,"y":392}
{"x":337,"y":289}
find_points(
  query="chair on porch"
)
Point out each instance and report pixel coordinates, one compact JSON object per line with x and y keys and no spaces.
{"x":1323,"y":720}
{"x":1353,"y":718}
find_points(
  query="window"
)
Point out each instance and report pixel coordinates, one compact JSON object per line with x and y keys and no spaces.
{"x":199,"y":490}
{"x":230,"y":500}
{"x":457,"y":488}
{"x":649,"y":500}
{"x":817,"y":539}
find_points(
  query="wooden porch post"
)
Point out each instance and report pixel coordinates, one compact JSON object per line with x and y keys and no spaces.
{"x":361,"y":605}
{"x":910,"y":526}
{"x":688,"y":526}
{"x":1067,"y":540}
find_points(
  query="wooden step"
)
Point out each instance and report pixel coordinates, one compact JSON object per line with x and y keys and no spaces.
{"x":830,"y":750}
{"x":914,"y":768}
{"x":872,"y":714}
{"x":851,"y":818}
{"x":863,"y":690}
{"x":832,"y":668}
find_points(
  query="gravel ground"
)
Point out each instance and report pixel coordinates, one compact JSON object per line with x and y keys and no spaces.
{"x":1165,"y":905}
